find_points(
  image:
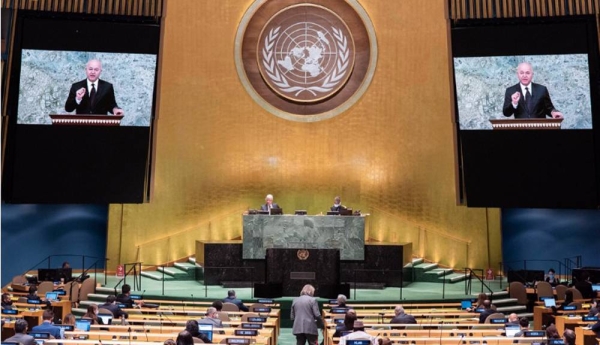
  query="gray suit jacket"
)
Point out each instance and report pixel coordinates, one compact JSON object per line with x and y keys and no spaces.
{"x":210,"y":321}
{"x":305,"y":311}
{"x":21,"y":338}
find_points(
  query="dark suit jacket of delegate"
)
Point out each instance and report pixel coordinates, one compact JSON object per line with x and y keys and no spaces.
{"x":114,"y":309}
{"x":237,"y":302}
{"x":305,"y":311}
{"x":541,"y":104}
{"x":404,"y":319}
{"x":265,"y":207}
{"x":104,"y":102}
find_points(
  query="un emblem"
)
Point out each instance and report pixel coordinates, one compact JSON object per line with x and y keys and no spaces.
{"x":307,"y":55}
{"x":302,"y":254}
{"x":305,"y":61}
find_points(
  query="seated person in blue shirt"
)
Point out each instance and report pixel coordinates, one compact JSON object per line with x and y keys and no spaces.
{"x":232,"y":299}
{"x":47,"y":327}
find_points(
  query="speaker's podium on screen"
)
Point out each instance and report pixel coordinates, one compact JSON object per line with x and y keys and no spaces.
{"x":85,"y":120}
{"x":512,"y":124}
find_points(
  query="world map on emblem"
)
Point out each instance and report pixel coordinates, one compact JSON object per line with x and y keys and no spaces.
{"x":305,"y":56}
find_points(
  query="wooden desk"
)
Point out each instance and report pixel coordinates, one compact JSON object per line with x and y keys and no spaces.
{"x":584,"y":336}
{"x":125,"y":337}
{"x":563,"y":322}
{"x":267,"y":333}
{"x":539,"y":312}
{"x":60,"y":308}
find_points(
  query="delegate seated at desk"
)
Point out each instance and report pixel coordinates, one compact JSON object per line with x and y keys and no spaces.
{"x":337,"y":205}
{"x":269,"y":204}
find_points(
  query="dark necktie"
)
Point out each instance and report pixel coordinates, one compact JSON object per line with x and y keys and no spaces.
{"x":528,"y":99}
{"x":93,"y":95}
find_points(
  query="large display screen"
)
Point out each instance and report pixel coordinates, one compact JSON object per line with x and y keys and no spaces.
{"x":485,"y":84}
{"x":80,"y":67}
{"x":47,"y":76}
{"x":515,"y":80}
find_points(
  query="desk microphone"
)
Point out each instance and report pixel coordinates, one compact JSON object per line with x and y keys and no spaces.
{"x":129,"y":331}
{"x":441,"y":330}
{"x":145,"y":331}
{"x":461,"y":338}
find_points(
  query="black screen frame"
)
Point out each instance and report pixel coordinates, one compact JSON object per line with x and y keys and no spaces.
{"x":528,"y":168}
{"x":78,"y":164}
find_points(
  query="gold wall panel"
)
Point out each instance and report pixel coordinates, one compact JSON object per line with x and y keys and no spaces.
{"x":218,"y":153}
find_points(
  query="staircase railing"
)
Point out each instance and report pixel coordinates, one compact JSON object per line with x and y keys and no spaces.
{"x":471,"y":272}
{"x":137,"y":277}
{"x":94,"y":265}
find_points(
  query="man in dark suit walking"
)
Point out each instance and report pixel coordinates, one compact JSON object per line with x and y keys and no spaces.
{"x":92,"y":95}
{"x":527,"y":99}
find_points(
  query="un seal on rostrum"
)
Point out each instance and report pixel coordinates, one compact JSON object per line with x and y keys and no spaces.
{"x":302,"y":254}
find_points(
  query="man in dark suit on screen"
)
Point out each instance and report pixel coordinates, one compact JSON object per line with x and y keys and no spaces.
{"x":527,"y":99}
{"x":92,"y":95}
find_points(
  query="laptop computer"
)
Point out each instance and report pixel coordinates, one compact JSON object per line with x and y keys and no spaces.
{"x":466,"y":304}
{"x":596,"y":287}
{"x":83,"y":325}
{"x":51,"y":296}
{"x":511,"y":330}
{"x":276,"y":211}
{"x":549,"y":302}
{"x":106,"y":319}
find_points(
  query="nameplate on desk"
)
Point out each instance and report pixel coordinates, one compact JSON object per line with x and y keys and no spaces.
{"x":339,"y":310}
{"x":531,"y":334}
{"x":556,"y":342}
{"x":10,"y":311}
{"x":338,"y":321}
{"x":262,"y":310}
{"x":257,"y":319}
{"x":589,"y":318}
{"x":358,"y":342}
{"x":67,"y":328}
{"x":265,"y":301}
{"x":570,"y":307}
{"x":121,"y":305}
{"x":135,"y":297}
{"x":303,"y":275}
{"x":499,"y":321}
{"x":238,"y":341}
{"x":34,"y":301}
{"x":246,"y":332}
{"x":61,"y":292}
{"x":247,"y":325}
